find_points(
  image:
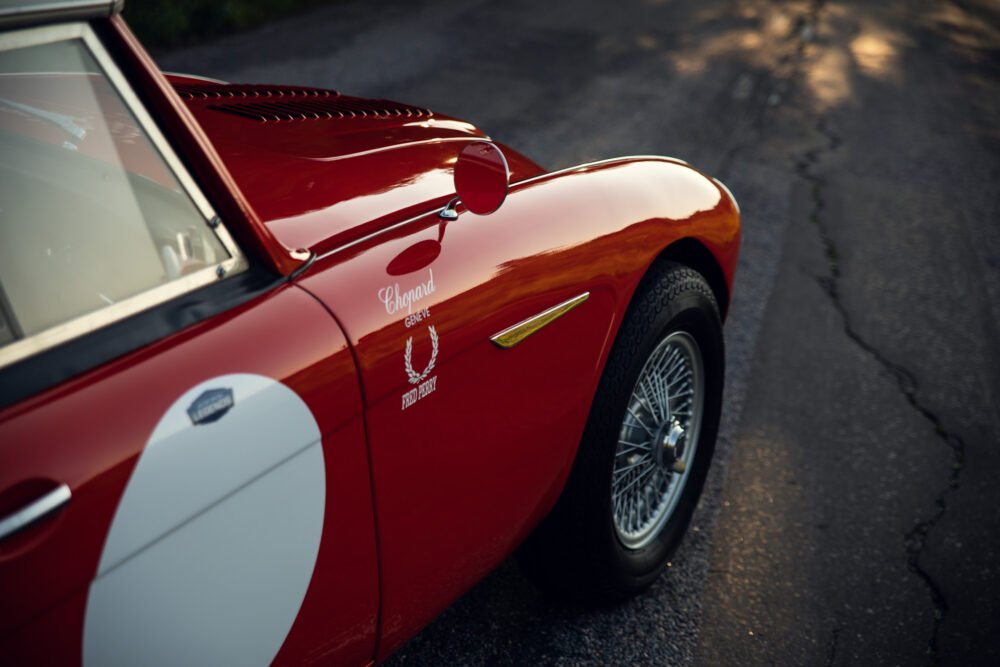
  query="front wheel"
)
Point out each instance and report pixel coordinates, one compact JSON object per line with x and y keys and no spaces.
{"x":646,"y":448}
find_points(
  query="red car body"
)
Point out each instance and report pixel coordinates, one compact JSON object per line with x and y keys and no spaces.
{"x":428,"y":485}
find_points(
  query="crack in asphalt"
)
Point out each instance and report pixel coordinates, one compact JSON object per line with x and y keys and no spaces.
{"x":831,"y":649}
{"x":915,"y":539}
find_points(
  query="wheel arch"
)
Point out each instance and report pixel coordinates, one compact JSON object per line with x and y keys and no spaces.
{"x":693,"y":254}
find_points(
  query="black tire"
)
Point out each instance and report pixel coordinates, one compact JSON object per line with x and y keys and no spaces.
{"x":579,"y":551}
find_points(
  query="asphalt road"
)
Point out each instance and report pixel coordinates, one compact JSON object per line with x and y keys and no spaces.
{"x":852,"y":515}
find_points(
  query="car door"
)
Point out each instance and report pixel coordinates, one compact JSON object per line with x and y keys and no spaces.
{"x":183,"y":470}
{"x":470,"y":441}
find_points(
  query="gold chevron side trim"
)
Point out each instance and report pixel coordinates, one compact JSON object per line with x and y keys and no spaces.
{"x":511,"y":336}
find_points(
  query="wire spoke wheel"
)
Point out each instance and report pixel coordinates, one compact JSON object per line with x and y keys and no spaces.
{"x":646,"y":450}
{"x":657,"y":440}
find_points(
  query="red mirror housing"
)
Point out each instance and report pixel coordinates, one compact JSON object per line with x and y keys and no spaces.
{"x":481,"y":177}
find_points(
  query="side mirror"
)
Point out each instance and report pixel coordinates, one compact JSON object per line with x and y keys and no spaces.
{"x":481,"y":180}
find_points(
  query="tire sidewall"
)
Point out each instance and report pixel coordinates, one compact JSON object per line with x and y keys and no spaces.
{"x":576,"y":552}
{"x":694,"y":313}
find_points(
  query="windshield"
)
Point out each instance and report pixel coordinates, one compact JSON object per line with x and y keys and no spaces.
{"x":91,"y":213}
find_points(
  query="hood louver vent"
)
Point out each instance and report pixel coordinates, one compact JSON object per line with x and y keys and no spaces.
{"x":288,"y":103}
{"x":320,"y":108}
{"x":214,"y":91}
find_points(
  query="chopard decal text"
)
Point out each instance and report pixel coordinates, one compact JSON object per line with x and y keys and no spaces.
{"x":418,"y":316}
{"x":396,"y":300}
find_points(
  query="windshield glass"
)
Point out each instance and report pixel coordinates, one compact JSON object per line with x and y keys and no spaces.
{"x":90,"y":212}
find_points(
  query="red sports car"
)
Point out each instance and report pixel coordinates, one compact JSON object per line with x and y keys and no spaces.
{"x":283,"y":372}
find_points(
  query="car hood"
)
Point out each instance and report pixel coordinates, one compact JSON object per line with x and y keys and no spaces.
{"x":322,"y":169}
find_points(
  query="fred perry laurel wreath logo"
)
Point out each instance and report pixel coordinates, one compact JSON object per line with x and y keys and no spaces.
{"x":211,"y":406}
{"x":412,"y":375}
{"x":423,"y":386}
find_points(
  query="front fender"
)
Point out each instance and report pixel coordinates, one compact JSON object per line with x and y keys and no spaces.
{"x":623,"y":213}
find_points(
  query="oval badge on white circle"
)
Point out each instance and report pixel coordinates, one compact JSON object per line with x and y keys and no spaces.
{"x":215,"y":539}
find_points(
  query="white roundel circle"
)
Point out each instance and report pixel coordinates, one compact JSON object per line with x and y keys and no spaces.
{"x":215,"y":539}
